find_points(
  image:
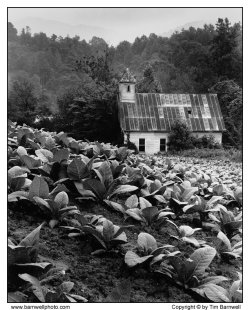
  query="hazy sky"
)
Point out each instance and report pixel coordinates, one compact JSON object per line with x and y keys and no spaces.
{"x":118,"y":23}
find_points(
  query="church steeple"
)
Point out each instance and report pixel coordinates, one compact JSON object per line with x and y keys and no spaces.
{"x":127,"y":87}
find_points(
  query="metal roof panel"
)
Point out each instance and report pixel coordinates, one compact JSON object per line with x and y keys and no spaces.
{"x":157,"y":112}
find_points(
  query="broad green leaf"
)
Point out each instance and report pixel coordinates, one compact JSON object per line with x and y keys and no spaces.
{"x":132,"y":202}
{"x":225,"y":240}
{"x":191,"y":208}
{"x":187,"y":231}
{"x":61,"y":155}
{"x":95,"y":186}
{"x":75,"y":146}
{"x":96,"y":234}
{"x":39,"y":187}
{"x":32,"y":239}
{"x":213,"y":279}
{"x":17,"y":195}
{"x":122,"y":153}
{"x":42,"y":202}
{"x":34,"y":268}
{"x":238,"y":195}
{"x":106,"y":173}
{"x":160,"y":198}
{"x":53,"y":223}
{"x":215,"y":293}
{"x":213,"y":201}
{"x":36,"y":287}
{"x":59,"y":188}
{"x":31,"y":162}
{"x":66,"y":287}
{"x":188,"y":193}
{"x":78,"y":297}
{"x":17,"y":171}
{"x":76,"y":169}
{"x":135,"y":214}
{"x":118,"y":231}
{"x":17,"y":297}
{"x":160,"y":249}
{"x":44,"y":155}
{"x":144,"y":203}
{"x":124,"y":189}
{"x":146,"y":242}
{"x":114,"y":205}
{"x":219,"y":190}
{"x":108,"y":230}
{"x":21,"y":151}
{"x":150,"y":214}
{"x":202,"y":258}
{"x":184,"y":269}
{"x":132,"y":259}
{"x":191,"y":240}
{"x":50,"y":143}
{"x":62,"y":199}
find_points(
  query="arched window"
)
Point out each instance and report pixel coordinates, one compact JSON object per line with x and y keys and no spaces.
{"x":128,"y":88}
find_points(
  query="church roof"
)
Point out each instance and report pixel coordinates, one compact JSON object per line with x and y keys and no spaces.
{"x":127,"y":77}
{"x":157,"y":112}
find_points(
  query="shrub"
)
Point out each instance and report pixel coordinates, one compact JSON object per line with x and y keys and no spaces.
{"x":179,"y":137}
{"x":130,"y":145}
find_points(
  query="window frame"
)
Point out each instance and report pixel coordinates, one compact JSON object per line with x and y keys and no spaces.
{"x":163,"y":144}
{"x":128,"y":89}
{"x":142,"y":143}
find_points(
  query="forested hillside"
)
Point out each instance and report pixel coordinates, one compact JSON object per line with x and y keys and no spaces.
{"x":46,"y":74}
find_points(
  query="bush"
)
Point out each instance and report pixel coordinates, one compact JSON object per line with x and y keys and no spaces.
{"x":179,"y":137}
{"x":131,"y":146}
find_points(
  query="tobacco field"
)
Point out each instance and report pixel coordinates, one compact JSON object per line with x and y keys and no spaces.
{"x":92,"y":222}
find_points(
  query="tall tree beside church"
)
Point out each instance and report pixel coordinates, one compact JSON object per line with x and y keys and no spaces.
{"x":226,"y":58}
{"x":90,"y":111}
{"x":149,"y":83}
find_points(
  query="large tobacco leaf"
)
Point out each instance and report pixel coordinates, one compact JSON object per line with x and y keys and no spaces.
{"x":39,"y":187}
{"x":202,"y":258}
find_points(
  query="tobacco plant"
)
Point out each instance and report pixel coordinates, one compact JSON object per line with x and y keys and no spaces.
{"x":147,"y":252}
{"x":57,"y":209}
{"x":22,"y":257}
{"x":189,"y":272}
{"x":108,"y":235}
{"x":226,"y":249}
{"x":184,"y":234}
{"x":208,"y":288}
{"x":60,"y":294}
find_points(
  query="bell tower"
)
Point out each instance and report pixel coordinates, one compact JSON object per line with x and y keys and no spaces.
{"x":127,"y":87}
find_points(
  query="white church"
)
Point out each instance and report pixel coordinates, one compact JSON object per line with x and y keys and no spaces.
{"x":146,"y":118}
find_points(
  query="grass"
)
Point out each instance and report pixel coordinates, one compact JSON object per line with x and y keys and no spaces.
{"x":221,"y":154}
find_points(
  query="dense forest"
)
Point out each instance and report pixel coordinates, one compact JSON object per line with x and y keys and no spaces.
{"x":76,"y":81}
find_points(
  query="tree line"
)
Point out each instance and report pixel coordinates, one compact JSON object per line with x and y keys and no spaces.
{"x":77,"y":81}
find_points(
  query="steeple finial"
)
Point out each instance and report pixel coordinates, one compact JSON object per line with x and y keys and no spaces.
{"x":127,"y":77}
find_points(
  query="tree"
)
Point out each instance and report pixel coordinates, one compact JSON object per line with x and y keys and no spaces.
{"x":231,"y":103}
{"x":22,"y":102}
{"x":149,"y":83}
{"x":12,"y":32}
{"x":90,"y":111}
{"x":226,"y":62}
